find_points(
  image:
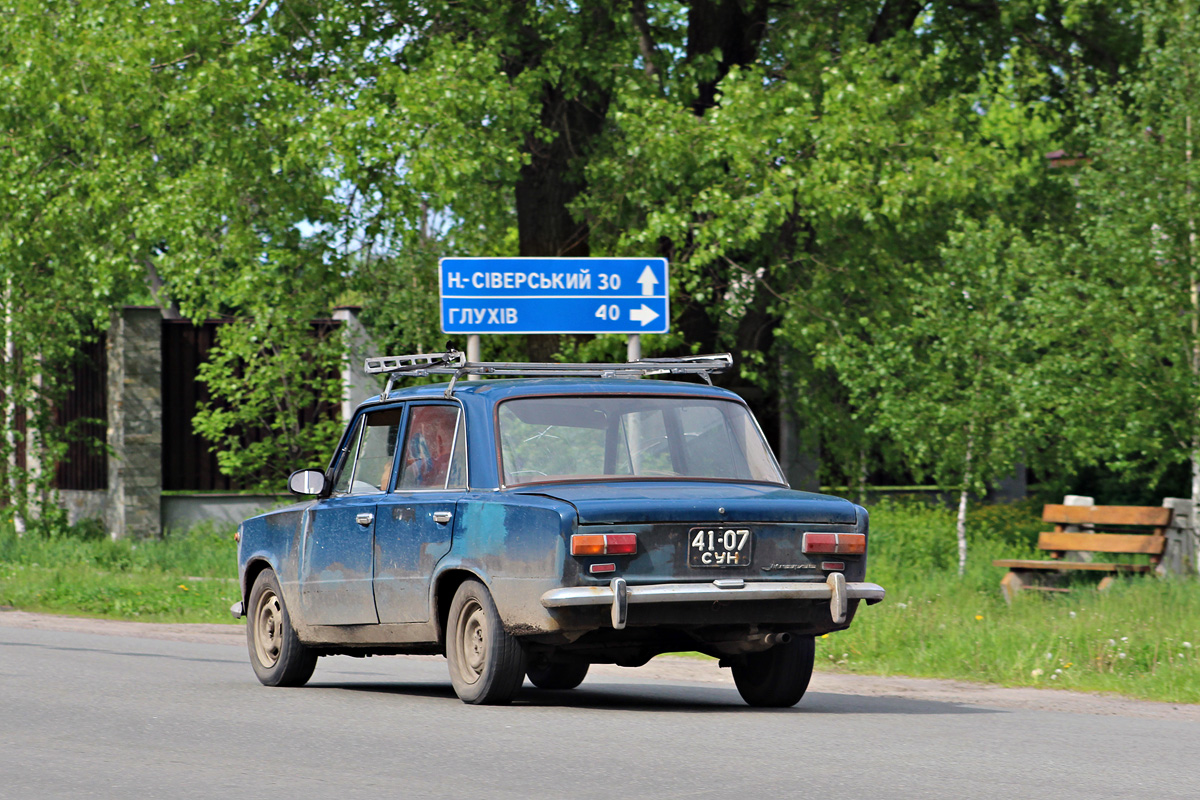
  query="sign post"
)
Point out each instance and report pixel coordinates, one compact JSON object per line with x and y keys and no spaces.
{"x":554,"y":295}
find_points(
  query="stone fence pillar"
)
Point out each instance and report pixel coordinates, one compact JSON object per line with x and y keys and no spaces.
{"x":1183,"y":540}
{"x":135,"y":414}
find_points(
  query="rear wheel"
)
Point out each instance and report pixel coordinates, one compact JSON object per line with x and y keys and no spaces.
{"x":276,"y":653}
{"x":487,"y":665}
{"x":557,"y":676}
{"x":776,"y":678}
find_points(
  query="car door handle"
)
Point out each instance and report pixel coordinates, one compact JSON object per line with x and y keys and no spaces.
{"x":442,"y":517}
{"x":365,"y":518}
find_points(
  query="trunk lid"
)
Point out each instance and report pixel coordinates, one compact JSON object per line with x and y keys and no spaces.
{"x":631,"y":503}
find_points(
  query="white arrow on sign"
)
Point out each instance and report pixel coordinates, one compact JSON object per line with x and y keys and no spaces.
{"x":644,"y":315}
{"x":648,"y":282}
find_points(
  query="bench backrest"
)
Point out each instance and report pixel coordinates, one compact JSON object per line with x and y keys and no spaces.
{"x":1152,"y":542}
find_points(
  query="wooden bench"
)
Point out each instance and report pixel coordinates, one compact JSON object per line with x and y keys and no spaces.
{"x":1080,"y":531}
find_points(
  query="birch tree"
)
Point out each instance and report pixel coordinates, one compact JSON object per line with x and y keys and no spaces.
{"x":952,"y":381}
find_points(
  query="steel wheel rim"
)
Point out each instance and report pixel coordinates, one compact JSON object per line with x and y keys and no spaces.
{"x":268,"y":629}
{"x":472,"y":641}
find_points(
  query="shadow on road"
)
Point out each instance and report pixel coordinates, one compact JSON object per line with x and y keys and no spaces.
{"x":675,"y":698}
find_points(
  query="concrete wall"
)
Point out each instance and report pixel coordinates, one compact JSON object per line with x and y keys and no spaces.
{"x":83,"y":504}
{"x":181,"y":512}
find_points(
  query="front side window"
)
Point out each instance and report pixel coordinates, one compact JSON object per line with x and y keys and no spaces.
{"x":602,"y":438}
{"x":370,"y":452}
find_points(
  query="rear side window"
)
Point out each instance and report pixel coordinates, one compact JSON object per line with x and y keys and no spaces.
{"x":434,"y":455}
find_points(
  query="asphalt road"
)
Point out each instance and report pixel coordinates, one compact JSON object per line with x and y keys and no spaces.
{"x":122,"y":716}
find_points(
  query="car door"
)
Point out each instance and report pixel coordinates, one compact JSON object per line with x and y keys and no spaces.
{"x":416,"y":521}
{"x":337,"y":565}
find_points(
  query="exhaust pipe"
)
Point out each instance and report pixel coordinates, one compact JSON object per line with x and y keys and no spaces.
{"x":773,"y":639}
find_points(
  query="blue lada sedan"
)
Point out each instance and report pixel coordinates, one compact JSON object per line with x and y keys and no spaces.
{"x":533,"y":527}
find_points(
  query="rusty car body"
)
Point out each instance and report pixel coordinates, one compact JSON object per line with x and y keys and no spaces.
{"x":532,"y":527}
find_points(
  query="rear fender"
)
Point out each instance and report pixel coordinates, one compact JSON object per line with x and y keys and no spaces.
{"x":517,"y":545}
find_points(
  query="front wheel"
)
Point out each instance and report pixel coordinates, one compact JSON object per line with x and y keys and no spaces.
{"x":276,"y":653}
{"x":776,"y":678}
{"x":487,"y":665}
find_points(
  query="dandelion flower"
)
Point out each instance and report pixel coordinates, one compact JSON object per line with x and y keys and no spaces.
{"x":1037,"y":673}
{"x":1072,"y":615}
{"x":181,"y":586}
{"x":979,"y":616}
{"x":1120,"y":655}
{"x":1187,"y":645}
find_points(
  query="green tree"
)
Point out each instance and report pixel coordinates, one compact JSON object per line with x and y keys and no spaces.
{"x":275,"y":384}
{"x":795,"y":161}
{"x":955,"y":380}
{"x":148,"y":157}
{"x":799,"y":163}
{"x":1126,"y":310}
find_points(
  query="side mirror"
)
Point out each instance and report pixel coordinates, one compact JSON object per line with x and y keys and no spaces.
{"x":307,"y":481}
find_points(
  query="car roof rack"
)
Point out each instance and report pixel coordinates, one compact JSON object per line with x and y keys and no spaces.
{"x":455,"y":364}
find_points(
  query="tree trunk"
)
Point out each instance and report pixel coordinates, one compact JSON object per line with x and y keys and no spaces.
{"x":11,"y":410}
{"x":1187,"y":156}
{"x":734,"y":28}
{"x":552,"y":178}
{"x":961,"y":525}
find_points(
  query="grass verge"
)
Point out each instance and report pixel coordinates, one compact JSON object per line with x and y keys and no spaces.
{"x":181,"y":578}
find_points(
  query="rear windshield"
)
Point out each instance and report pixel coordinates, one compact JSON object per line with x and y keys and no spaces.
{"x":601,"y":438}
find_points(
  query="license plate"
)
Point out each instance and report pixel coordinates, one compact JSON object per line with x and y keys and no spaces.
{"x":720,"y":547}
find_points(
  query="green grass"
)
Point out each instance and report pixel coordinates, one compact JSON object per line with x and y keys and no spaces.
{"x":1138,"y":639}
{"x":181,"y":578}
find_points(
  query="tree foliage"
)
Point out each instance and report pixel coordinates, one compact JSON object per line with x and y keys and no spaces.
{"x":148,"y":157}
{"x":854,"y":198}
{"x":1125,"y":271}
{"x":275,"y":385}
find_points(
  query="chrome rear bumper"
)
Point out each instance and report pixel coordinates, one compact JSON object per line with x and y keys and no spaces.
{"x":619,"y":594}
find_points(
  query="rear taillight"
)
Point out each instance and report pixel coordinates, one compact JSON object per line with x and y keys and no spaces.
{"x":603,"y":544}
{"x":844,"y":544}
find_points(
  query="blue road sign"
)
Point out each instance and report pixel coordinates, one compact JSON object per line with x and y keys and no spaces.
{"x":554,"y":295}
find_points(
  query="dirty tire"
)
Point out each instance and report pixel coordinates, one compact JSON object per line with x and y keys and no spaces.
{"x":557,"y":676}
{"x":487,"y":665}
{"x":278,"y":657}
{"x":776,"y":678}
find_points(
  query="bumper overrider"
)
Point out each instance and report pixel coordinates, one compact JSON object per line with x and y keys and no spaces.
{"x":619,"y":595}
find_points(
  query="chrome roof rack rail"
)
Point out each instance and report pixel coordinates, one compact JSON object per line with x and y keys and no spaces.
{"x":454,"y":363}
